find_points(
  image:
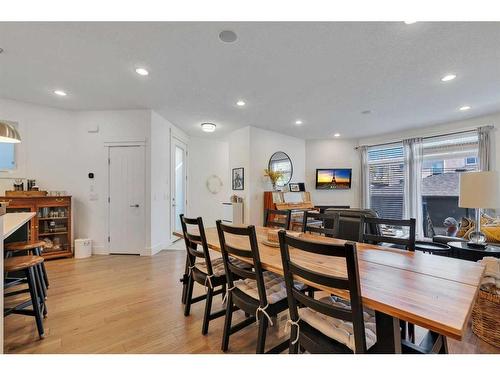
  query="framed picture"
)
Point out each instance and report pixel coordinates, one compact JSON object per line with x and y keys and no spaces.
{"x":294,"y":187}
{"x":238,"y":178}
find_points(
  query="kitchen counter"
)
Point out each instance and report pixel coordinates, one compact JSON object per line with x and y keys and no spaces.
{"x":14,"y":221}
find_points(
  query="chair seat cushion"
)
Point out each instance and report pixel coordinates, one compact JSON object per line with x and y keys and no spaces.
{"x":275,"y":287}
{"x":218,"y":266}
{"x":338,"y":329}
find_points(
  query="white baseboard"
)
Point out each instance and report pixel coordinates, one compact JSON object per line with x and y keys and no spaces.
{"x":150,"y":251}
{"x":99,"y":250}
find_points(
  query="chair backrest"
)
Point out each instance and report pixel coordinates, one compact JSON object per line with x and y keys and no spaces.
{"x":272,"y":218}
{"x":193,"y":239}
{"x":244,"y":236}
{"x":349,"y":220}
{"x":407,"y":242}
{"x":292,"y":269}
{"x":320,"y":223}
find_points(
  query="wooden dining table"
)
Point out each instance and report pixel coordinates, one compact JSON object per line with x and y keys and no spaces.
{"x":433,"y":292}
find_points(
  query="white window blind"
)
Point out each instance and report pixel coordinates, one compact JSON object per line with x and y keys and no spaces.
{"x":386,"y":180}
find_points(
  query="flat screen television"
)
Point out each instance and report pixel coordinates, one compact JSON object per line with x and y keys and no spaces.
{"x":333,"y":178}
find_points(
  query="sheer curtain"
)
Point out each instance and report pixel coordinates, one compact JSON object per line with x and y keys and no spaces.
{"x":485,"y":147}
{"x":413,"y":154}
{"x":365,"y":177}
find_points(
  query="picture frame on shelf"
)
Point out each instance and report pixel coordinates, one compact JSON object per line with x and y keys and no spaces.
{"x":238,"y":178}
{"x":294,"y":187}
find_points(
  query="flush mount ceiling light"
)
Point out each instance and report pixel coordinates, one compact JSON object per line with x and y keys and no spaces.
{"x":336,"y":135}
{"x":410,"y":22}
{"x":449,"y":77}
{"x":8,"y":133}
{"x":60,"y":92}
{"x":141,"y":71}
{"x":228,"y":36}
{"x":240,"y":103}
{"x":464,"y":108}
{"x":208,"y":127}
{"x":298,"y":122}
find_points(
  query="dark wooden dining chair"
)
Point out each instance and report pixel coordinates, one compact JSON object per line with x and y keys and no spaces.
{"x":408,"y":243}
{"x":330,"y":324}
{"x":260,"y":294}
{"x":207,"y":272}
{"x":277,"y":218}
{"x":321,"y":223}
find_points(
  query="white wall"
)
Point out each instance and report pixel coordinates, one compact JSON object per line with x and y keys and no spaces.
{"x":239,"y":156}
{"x":90,"y":216}
{"x":159,"y":193}
{"x":263,"y":144}
{"x":58,"y":151}
{"x":207,"y":157}
{"x":332,"y":153}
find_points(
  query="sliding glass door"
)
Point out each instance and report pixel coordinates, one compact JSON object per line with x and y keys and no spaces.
{"x":444,"y":159}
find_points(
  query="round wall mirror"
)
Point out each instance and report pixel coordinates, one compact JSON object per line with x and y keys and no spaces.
{"x":280,"y":161}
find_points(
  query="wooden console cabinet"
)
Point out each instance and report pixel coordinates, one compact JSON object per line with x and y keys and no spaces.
{"x":51,"y":223}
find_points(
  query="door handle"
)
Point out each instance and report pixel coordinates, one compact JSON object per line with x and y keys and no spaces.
{"x":134,"y":205}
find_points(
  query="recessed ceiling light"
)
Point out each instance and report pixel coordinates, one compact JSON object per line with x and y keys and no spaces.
{"x":336,"y":135}
{"x":208,"y":127}
{"x":60,"y":92}
{"x":410,"y":22}
{"x":240,"y":103}
{"x":464,"y":108}
{"x":448,"y":77}
{"x":298,"y":122}
{"x":228,"y":36}
{"x":141,"y":71}
{"x":366,"y":112}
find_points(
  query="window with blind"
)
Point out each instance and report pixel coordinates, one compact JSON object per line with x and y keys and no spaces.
{"x":444,"y":159}
{"x":386,"y":180}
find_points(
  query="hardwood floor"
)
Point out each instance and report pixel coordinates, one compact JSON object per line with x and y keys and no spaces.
{"x":131,"y":304}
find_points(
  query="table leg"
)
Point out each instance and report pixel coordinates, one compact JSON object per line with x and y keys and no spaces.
{"x":388,"y":334}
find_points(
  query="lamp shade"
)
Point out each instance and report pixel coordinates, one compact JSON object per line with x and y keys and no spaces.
{"x":8,"y":133}
{"x":479,"y":190}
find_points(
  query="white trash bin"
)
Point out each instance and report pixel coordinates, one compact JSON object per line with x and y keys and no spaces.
{"x":83,"y":248}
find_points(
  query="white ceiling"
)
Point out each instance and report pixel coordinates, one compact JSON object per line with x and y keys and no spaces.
{"x":322,"y":73}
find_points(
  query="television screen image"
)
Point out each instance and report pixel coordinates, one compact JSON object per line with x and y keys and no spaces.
{"x":332,"y":179}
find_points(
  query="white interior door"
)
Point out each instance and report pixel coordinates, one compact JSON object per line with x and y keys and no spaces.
{"x":179,"y":182}
{"x":126,"y":200}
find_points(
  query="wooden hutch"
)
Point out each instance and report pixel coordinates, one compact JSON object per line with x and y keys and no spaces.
{"x":52,"y":222}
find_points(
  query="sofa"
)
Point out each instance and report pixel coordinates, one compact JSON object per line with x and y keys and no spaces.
{"x":350,"y":219}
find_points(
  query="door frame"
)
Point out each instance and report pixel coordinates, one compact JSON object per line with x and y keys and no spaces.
{"x":108,"y":145}
{"x":173,"y":140}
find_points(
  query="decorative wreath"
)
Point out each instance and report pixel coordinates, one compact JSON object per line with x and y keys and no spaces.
{"x":214,"y":184}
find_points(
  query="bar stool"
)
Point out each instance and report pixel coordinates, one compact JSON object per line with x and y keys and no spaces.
{"x":28,"y":265}
{"x":33,"y":248}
